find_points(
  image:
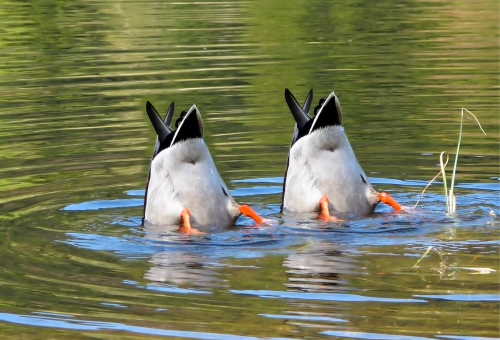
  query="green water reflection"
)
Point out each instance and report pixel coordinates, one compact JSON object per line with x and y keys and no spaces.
{"x":74,"y":79}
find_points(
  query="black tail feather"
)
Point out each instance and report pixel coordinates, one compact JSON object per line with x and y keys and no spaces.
{"x":169,"y":114}
{"x":308,"y":101}
{"x":162,"y":129}
{"x":301,"y":117}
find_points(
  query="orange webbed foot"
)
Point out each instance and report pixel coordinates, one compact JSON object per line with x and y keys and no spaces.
{"x":247,"y":211}
{"x":186,"y":223}
{"x":324,"y":215}
{"x":387,"y":199}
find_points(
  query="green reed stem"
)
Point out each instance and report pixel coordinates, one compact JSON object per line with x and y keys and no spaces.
{"x":444,"y":179}
{"x":450,"y":205}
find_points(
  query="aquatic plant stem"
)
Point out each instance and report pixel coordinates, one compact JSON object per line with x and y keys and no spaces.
{"x":449,"y":208}
{"x":452,"y":207}
{"x":430,"y":182}
{"x":449,"y":196}
{"x":421,"y":257}
{"x":444,"y":180}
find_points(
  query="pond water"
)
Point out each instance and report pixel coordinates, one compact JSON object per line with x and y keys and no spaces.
{"x":75,"y":146}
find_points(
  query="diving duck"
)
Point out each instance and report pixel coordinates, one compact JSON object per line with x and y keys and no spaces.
{"x":184,"y":186}
{"x":322,"y":172}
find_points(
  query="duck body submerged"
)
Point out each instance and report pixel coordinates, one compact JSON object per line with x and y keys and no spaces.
{"x":184,"y":185}
{"x":185,"y":175}
{"x":321,"y":162}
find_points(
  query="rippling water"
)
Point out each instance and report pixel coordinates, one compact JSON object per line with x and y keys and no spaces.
{"x":75,"y":145}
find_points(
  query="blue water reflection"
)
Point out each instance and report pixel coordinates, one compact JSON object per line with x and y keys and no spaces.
{"x":69,"y":322}
{"x":287,"y":230}
{"x":373,"y":336}
{"x":319,"y":259}
{"x":322,"y":296}
{"x":463,"y":297}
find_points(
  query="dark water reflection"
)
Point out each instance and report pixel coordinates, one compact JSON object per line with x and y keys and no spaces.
{"x":75,"y":146}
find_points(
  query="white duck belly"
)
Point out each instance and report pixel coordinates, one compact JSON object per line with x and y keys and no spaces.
{"x":185,"y":176}
{"x":323,"y":163}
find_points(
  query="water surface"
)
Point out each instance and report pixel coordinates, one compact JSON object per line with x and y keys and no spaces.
{"x":75,"y":145}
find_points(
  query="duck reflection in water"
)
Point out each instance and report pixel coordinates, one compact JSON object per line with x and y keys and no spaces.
{"x":181,"y":269}
{"x":319,"y":268}
{"x":179,"y":265}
